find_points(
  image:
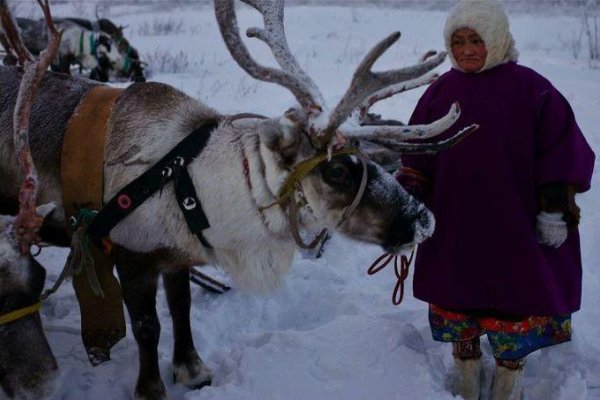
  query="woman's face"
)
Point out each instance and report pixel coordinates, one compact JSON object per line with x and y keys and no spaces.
{"x":468,"y":49}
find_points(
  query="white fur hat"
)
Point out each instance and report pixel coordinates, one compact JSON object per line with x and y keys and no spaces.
{"x":489,"y":20}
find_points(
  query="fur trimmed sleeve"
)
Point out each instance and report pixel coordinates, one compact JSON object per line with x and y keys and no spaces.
{"x":562,"y":152}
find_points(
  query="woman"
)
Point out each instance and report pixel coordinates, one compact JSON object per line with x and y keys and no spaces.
{"x":505,"y":257}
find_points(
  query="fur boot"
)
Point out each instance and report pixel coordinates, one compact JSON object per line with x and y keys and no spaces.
{"x":467,"y":359}
{"x":467,"y":383}
{"x":507,"y":381}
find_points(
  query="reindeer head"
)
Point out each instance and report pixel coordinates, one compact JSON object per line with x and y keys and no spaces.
{"x":130,"y":63}
{"x":105,"y":59}
{"x":341,"y":187}
{"x":27,"y":366}
{"x":19,"y":273}
{"x":106,"y":49}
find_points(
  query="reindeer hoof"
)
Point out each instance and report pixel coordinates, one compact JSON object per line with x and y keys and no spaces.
{"x":202,"y":384}
{"x":155,"y":391}
{"x":195,"y":375}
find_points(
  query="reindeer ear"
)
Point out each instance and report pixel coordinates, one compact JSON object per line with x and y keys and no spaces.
{"x":280,"y":136}
{"x":385,"y":157}
{"x":45,"y":209}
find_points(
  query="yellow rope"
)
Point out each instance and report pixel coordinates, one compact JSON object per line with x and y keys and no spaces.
{"x":20,"y":313}
{"x":302,"y":169}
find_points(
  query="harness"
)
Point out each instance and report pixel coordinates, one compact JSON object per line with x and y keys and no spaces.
{"x":127,"y":61}
{"x":292,"y":185}
{"x":82,"y":43}
{"x":301,"y":170}
{"x":171,"y":168}
{"x":20,"y":313}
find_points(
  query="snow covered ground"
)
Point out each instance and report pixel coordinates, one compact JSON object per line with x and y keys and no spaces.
{"x":331,"y":332}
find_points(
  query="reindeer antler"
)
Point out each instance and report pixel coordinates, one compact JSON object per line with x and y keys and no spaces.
{"x":28,"y":222}
{"x":369,"y":87}
{"x":424,"y":148}
{"x":290,"y":75}
{"x":366,"y":87}
{"x":8,"y":27}
{"x":395,"y":89}
{"x":366,"y":82}
{"x":406,"y":132}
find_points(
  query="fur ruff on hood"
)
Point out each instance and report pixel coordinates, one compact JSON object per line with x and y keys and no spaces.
{"x":489,"y":20}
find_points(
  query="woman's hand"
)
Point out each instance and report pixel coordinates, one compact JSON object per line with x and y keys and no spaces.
{"x":551,"y":229}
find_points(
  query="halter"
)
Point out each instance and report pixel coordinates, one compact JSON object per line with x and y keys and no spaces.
{"x":292,"y":185}
{"x":127,"y":62}
{"x":300,"y":171}
{"x":92,"y":41}
{"x":127,"y":58}
{"x":20,"y":313}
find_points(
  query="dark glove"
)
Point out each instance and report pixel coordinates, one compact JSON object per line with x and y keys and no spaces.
{"x":414,"y":182}
{"x":560,"y":198}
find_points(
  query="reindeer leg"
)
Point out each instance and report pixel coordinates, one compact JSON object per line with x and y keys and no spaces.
{"x":188,"y":367}
{"x":64,"y":64}
{"x":139,"y":282}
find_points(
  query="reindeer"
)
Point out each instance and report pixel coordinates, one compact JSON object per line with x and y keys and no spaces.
{"x":129,"y":64}
{"x":27,"y":365}
{"x":93,"y":51}
{"x":185,"y":185}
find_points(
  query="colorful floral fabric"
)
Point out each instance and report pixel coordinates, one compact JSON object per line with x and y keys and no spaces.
{"x":510,"y":339}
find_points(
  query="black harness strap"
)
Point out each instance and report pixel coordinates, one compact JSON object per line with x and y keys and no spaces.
{"x":172,"y":167}
{"x":190,"y":206}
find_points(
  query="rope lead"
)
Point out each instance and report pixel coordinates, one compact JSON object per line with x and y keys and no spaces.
{"x":401,"y":273}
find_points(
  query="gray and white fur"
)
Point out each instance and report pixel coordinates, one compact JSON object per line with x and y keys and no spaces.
{"x":255,"y":247}
{"x":27,"y":365}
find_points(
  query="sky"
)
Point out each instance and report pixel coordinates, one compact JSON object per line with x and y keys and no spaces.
{"x":330,"y":331}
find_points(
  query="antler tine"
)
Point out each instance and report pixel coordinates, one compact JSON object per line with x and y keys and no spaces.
{"x":8,"y":27}
{"x":425,"y":148}
{"x":28,"y":222}
{"x":392,"y":91}
{"x":274,"y":36}
{"x":365,"y":82}
{"x":406,"y":132}
{"x":227,"y":20}
{"x":428,"y":53}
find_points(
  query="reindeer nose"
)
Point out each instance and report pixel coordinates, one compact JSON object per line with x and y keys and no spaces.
{"x":409,"y":230}
{"x":424,"y":226}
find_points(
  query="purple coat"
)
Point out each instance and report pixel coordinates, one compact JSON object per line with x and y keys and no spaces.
{"x":484,"y":252}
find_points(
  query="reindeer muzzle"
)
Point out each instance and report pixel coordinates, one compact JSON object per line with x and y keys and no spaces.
{"x":406,"y":231}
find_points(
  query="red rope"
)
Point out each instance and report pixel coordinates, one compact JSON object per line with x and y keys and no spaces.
{"x":401,"y":273}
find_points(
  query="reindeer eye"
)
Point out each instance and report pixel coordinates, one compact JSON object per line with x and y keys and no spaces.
{"x":336,"y":171}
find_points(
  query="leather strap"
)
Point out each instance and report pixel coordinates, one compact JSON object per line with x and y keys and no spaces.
{"x":172,"y":167}
{"x":82,"y":174}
